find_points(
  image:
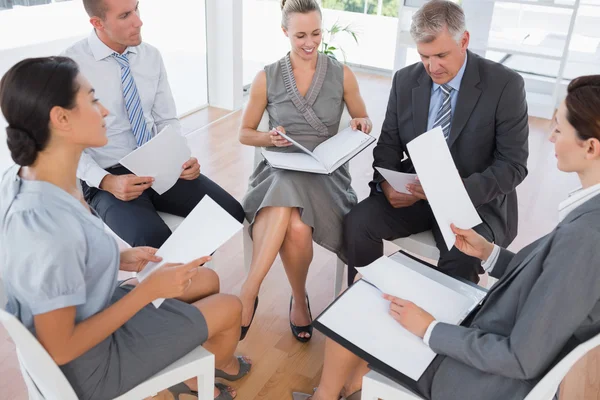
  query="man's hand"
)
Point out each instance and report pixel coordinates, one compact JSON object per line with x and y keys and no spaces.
{"x":397,"y":199}
{"x":416,"y":190}
{"x":413,"y":318}
{"x":126,"y":187}
{"x":135,"y":259}
{"x":191,"y":170}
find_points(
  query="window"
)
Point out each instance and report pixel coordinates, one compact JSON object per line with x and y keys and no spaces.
{"x":387,"y":8}
{"x":178,"y":30}
{"x":37,"y":28}
{"x":263,"y":41}
{"x":375,"y":24}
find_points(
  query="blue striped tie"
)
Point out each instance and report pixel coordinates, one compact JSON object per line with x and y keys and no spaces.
{"x":444,"y":115}
{"x":133,"y":104}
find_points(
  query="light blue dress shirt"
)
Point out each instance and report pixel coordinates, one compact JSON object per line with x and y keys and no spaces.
{"x":104,"y":73}
{"x":53,"y":252}
{"x":437,"y":97}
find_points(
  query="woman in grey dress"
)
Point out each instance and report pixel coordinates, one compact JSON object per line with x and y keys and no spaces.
{"x":304,"y":94}
{"x":59,"y":266}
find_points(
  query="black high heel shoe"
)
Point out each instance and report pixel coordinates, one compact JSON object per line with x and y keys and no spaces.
{"x":244,"y":331}
{"x":297,"y":330}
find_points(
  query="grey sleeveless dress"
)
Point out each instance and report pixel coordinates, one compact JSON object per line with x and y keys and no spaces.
{"x":323,"y":200}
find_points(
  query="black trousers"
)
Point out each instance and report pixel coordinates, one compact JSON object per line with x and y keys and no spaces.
{"x":373,"y":220}
{"x":137,"y":221}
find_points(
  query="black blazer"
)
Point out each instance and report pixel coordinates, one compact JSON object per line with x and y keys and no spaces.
{"x":488,"y":138}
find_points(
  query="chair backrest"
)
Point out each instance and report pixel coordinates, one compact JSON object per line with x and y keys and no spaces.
{"x":36,"y":362}
{"x":548,"y":386}
{"x":263,"y":126}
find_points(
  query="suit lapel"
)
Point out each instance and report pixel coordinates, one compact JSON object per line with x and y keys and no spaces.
{"x":421,"y":95}
{"x":589,"y":206}
{"x":468,"y":95}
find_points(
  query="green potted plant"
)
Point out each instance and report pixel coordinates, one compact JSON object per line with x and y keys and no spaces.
{"x":328,"y":45}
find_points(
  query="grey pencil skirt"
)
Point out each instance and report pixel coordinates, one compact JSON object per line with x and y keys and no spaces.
{"x":150,"y":341}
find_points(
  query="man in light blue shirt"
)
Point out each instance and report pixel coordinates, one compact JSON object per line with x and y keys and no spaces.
{"x":481,"y":109}
{"x":131,"y":82}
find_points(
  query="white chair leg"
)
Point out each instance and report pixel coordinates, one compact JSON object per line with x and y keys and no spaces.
{"x":369,"y":389}
{"x":206,"y":384}
{"x":339,"y":277}
{"x":247,"y":246}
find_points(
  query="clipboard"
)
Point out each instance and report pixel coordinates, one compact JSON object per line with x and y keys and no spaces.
{"x":376,"y":363}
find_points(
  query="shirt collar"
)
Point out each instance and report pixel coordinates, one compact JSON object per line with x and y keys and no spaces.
{"x":455,"y":82}
{"x":575,"y":199}
{"x":102,"y":51}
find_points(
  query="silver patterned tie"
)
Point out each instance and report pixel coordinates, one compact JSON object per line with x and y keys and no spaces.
{"x":133,"y":104}
{"x":444,"y":115}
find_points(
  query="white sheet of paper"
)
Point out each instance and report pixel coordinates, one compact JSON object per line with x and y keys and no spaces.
{"x":398,"y":180}
{"x":162,"y":158}
{"x":202,"y":232}
{"x":361,"y":315}
{"x":442,"y":184}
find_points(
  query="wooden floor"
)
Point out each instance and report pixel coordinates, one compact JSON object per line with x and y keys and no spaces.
{"x":281,"y":363}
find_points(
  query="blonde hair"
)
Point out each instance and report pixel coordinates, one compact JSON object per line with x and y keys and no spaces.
{"x":289,"y":7}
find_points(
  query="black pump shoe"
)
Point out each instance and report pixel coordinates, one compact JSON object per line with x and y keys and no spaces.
{"x":244,"y":331}
{"x":297,"y":330}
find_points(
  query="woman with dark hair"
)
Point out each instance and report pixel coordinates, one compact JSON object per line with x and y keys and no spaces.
{"x":60,"y":267}
{"x":546,"y":302}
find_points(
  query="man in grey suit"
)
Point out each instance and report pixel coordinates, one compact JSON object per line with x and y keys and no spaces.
{"x":480,"y":106}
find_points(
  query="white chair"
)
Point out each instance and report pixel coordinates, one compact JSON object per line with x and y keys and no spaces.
{"x":376,"y":386}
{"x":421,"y":244}
{"x":45,"y":380}
{"x":339,"y":268}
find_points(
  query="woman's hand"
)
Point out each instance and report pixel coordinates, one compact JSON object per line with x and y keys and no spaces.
{"x":471,"y":243}
{"x":171,"y":280}
{"x":363,"y":124}
{"x":135,"y":259}
{"x":413,"y":318}
{"x":277,"y":140}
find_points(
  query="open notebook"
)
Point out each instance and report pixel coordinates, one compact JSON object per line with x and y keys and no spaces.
{"x":326,"y":158}
{"x":360,"y":321}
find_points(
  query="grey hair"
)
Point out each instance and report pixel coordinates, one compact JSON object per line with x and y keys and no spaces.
{"x":289,"y":7}
{"x":431,"y":19}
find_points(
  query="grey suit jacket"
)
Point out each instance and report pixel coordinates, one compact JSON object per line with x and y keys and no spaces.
{"x":546,"y":302}
{"x":488,"y":137}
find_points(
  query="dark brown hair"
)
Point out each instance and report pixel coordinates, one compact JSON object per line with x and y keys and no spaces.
{"x":28,"y":92}
{"x":583,"y":106}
